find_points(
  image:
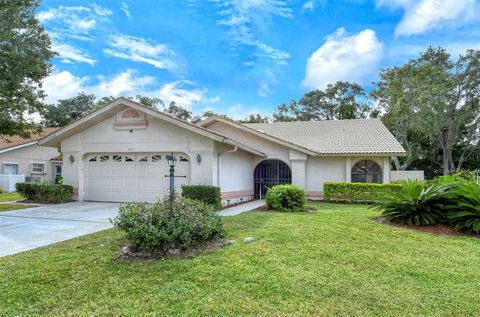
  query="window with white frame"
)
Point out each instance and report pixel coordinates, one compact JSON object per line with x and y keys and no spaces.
{"x":10,"y":168}
{"x":38,"y":168}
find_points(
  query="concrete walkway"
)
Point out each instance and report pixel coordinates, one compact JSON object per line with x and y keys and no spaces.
{"x":251,"y":205}
{"x":26,"y":229}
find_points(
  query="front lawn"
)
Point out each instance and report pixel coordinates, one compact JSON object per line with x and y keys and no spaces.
{"x":10,"y":197}
{"x":336,"y":261}
{"x":8,"y":207}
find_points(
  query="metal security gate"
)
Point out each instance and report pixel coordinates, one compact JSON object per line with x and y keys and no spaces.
{"x":270,"y":173}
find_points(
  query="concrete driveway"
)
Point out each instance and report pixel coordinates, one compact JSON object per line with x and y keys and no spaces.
{"x":26,"y":229}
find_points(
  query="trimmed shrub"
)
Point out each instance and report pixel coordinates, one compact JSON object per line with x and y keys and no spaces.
{"x":156,"y":228}
{"x":464,"y":209}
{"x":1,"y":190}
{"x":416,"y":203}
{"x":206,"y":193}
{"x":53,"y":193}
{"x":286,"y":198}
{"x":357,"y":192}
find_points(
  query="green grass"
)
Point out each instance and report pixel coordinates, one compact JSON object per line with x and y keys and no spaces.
{"x":7,"y":207}
{"x":10,"y":197}
{"x":336,"y":261}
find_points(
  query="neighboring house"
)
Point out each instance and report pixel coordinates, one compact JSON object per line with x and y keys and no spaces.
{"x":22,"y":159}
{"x":118,"y":153}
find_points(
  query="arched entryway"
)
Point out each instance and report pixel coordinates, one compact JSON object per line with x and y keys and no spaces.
{"x":269,"y":173}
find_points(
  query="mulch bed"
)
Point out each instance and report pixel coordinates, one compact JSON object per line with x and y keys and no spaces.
{"x":434,"y":229}
{"x":128,"y":252}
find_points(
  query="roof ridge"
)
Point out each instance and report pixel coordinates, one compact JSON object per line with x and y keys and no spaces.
{"x":312,"y":121}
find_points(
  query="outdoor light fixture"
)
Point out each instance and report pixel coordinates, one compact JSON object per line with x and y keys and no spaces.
{"x":72,"y":159}
{"x":199,"y":158}
{"x":171,"y":160}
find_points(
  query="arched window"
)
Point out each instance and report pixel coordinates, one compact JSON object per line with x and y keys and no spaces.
{"x":366,"y":172}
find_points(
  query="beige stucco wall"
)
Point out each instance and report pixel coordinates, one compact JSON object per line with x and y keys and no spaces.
{"x":25,"y":156}
{"x":158,"y":136}
{"x":307,"y":171}
{"x":338,"y":169}
{"x":236,"y":175}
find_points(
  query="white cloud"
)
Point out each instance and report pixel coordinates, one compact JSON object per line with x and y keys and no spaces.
{"x":71,"y":54}
{"x":141,"y":50}
{"x":62,"y":85}
{"x":243,"y":18}
{"x":183,"y":92}
{"x":312,"y":4}
{"x":309,"y":5}
{"x":71,"y":21}
{"x":423,"y":15}
{"x":126,"y":10}
{"x":239,"y":111}
{"x":263,"y":89}
{"x":128,"y":83}
{"x":343,"y":57}
{"x":70,"y":26}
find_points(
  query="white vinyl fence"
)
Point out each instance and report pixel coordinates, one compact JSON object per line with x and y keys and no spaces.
{"x":7,"y":181}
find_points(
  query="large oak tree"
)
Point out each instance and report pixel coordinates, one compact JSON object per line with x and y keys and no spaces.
{"x":434,"y":98}
{"x":341,"y":100}
{"x":25,"y":56}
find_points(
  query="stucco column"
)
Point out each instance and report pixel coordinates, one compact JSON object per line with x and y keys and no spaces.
{"x":298,"y":172}
{"x":72,"y":173}
{"x":298,"y":163}
{"x":386,"y":170}
{"x":348,"y":169}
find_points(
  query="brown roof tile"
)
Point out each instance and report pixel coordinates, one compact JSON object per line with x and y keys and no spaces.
{"x":15,"y":140}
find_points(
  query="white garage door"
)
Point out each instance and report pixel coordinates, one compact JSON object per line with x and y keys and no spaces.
{"x":123,"y":177}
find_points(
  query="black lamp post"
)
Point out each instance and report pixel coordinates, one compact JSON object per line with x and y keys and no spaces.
{"x":172,"y":161}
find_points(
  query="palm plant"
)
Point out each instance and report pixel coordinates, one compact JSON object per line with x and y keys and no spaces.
{"x":416,"y":203}
{"x":465,"y":213}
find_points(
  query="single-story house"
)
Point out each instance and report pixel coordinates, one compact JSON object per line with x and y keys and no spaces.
{"x":118,"y":153}
{"x":22,"y":159}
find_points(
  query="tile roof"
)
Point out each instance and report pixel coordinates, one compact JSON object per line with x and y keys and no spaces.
{"x":15,"y":140}
{"x":359,"y":136}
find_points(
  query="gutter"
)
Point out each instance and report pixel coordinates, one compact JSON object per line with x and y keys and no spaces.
{"x":15,"y":147}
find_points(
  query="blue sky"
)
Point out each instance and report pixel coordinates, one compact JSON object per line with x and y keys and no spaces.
{"x":242,"y":56}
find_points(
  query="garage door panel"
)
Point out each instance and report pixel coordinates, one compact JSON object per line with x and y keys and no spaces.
{"x":141,"y":171}
{"x":119,"y":179}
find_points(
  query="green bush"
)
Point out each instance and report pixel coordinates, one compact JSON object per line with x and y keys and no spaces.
{"x":357,"y":192}
{"x":206,"y":193}
{"x":286,"y":198}
{"x":54,"y":193}
{"x":464,"y":209}
{"x":1,"y":190}
{"x":156,"y":228}
{"x":416,"y":203}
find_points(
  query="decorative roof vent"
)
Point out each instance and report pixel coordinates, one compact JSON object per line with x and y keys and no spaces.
{"x":130,"y":119}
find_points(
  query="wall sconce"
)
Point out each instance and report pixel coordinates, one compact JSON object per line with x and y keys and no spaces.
{"x":199,"y":158}
{"x":72,"y":159}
